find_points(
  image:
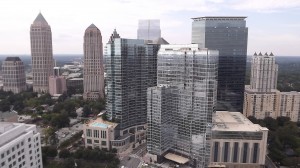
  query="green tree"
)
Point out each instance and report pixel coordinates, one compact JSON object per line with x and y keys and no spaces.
{"x":49,"y":151}
{"x":4,"y":105}
{"x":64,"y":153}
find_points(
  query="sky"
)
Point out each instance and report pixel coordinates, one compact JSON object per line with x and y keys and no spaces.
{"x":273,"y":24}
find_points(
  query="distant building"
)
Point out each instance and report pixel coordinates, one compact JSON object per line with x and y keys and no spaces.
{"x":262,"y":99}
{"x":228,"y":35}
{"x":131,"y":67}
{"x":93,"y":72}
{"x":180,"y":107}
{"x":13,"y":74}
{"x":41,"y":52}
{"x":76,"y":83}
{"x":20,"y":145}
{"x":237,"y":142}
{"x":149,"y":30}
{"x":57,"y":85}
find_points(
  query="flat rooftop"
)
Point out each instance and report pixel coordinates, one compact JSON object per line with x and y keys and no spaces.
{"x":220,"y":18}
{"x":234,"y":121}
{"x":100,"y":123}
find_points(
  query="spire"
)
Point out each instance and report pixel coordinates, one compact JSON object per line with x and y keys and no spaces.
{"x":113,"y":36}
{"x":266,"y":54}
{"x":92,"y":26}
{"x":255,"y":54}
{"x":40,"y":19}
{"x":271,"y":54}
{"x":260,"y":54}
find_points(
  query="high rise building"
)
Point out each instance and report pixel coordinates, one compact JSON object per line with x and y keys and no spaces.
{"x":149,"y":30}
{"x":13,"y":73}
{"x":180,"y":107}
{"x":93,"y":72}
{"x":264,"y":72}
{"x":262,"y":99}
{"x":41,"y":52}
{"x":228,"y":35}
{"x":130,"y":69}
{"x":20,"y":145}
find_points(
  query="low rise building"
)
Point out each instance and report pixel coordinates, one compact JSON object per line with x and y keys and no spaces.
{"x":20,"y":145}
{"x":57,"y":85}
{"x":98,"y":133}
{"x":237,"y":142}
{"x":8,"y":116}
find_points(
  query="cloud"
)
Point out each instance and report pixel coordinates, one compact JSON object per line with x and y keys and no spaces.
{"x":264,"y":5}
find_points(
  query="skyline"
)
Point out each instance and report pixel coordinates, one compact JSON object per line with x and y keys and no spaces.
{"x":272,"y":23}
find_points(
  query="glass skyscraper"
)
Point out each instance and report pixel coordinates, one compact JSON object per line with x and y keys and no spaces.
{"x":149,"y":30}
{"x":131,"y":68}
{"x":229,"y":35}
{"x":180,"y":107}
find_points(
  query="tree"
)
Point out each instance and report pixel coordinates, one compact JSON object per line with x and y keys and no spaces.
{"x":64,"y":153}
{"x":60,"y":120}
{"x":86,"y":111}
{"x":49,"y":151}
{"x":50,"y":135}
{"x":4,"y":105}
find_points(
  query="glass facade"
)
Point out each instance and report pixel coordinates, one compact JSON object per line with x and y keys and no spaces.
{"x":194,"y":73}
{"x":229,"y":35}
{"x":149,"y":30}
{"x":131,"y":69}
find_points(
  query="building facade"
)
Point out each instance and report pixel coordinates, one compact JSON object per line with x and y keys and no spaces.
{"x":130,"y":70}
{"x":20,"y":145}
{"x":192,"y":74}
{"x":237,"y":142}
{"x":93,"y":72}
{"x":41,"y":53}
{"x":149,"y":30}
{"x":228,"y":35}
{"x":13,"y":74}
{"x":57,"y":85}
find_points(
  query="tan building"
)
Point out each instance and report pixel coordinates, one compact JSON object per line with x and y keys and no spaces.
{"x":93,"y":72}
{"x":57,"y":85}
{"x":41,"y":52}
{"x":261,"y":98}
{"x":98,"y":133}
{"x":237,"y":142}
{"x":13,"y":74}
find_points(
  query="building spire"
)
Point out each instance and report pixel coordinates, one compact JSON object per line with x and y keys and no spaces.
{"x":40,"y":19}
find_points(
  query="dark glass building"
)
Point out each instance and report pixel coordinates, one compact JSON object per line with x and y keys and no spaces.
{"x":229,"y":35}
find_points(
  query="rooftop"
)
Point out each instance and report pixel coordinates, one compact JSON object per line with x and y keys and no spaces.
{"x":40,"y":19}
{"x":234,"y":121}
{"x":12,"y":59}
{"x":99,"y":122}
{"x":220,"y":18}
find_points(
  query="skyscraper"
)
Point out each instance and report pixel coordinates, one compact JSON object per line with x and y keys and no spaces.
{"x":41,"y":52}
{"x":264,"y":72}
{"x":131,"y":69}
{"x":149,"y":30}
{"x":180,"y":107}
{"x":93,"y":72}
{"x":228,"y":35}
{"x":13,"y":75}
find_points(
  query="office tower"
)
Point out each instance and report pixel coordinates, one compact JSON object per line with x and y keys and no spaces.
{"x":190,"y":74}
{"x":20,"y":145}
{"x":93,"y":71}
{"x":237,"y":142}
{"x":13,"y":75}
{"x":41,"y":52}
{"x":57,"y":85}
{"x":131,"y":69}
{"x":290,"y":105}
{"x":229,"y":36}
{"x":149,"y":30}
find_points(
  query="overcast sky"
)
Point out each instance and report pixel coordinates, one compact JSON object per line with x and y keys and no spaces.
{"x":274,"y":25}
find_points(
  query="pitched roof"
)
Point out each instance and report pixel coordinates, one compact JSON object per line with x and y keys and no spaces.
{"x":12,"y":59}
{"x":40,"y":19}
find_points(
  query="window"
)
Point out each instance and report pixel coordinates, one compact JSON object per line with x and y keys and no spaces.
{"x":29,"y":139}
{"x":89,"y":141}
{"x":96,"y":141}
{"x":216,"y":151}
{"x":2,"y":164}
{"x":103,"y":143}
{"x":245,"y":152}
{"x":235,"y":151}
{"x":88,"y":132}
{"x":255,"y":153}
{"x":226,"y":146}
{"x":2,"y":155}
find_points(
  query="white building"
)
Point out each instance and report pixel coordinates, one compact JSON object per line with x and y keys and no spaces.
{"x":20,"y":146}
{"x":237,"y":142}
